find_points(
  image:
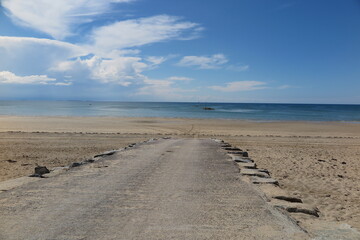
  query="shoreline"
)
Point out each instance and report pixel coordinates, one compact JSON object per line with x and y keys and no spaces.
{"x":187,"y":126}
{"x":182,"y":118}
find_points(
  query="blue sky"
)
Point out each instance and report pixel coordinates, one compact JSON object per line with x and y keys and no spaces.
{"x":287,"y":51}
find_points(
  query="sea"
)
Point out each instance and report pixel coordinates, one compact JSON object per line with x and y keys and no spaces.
{"x":244,"y":111}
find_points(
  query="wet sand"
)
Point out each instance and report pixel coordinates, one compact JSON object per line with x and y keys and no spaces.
{"x":318,"y":162}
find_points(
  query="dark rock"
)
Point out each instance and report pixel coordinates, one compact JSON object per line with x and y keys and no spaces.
{"x":76,"y":164}
{"x":289,"y":199}
{"x":343,"y":162}
{"x":37,"y":175}
{"x":237,"y":152}
{"x":242,"y":160}
{"x":249,"y":165}
{"x":225,"y":145}
{"x":245,"y":154}
{"x":313,"y":212}
{"x":106,"y":154}
{"x":340,"y":176}
{"x":40,"y":170}
{"x":263,"y":170}
{"x":254,"y":172}
{"x":257,"y":180}
{"x":232,"y":149}
{"x":11,"y":161}
{"x":101,"y":166}
{"x":208,"y":108}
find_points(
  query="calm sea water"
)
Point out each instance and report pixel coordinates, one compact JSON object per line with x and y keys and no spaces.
{"x":250,"y":111}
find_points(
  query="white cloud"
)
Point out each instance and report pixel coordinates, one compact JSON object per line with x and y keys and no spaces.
{"x":139,"y":32}
{"x":238,"y":68}
{"x":240,"y":86}
{"x":56,"y":18}
{"x":109,"y":55}
{"x":176,"y":78}
{"x":156,"y":60}
{"x":121,"y":70}
{"x":63,"y":84}
{"x":33,"y":56}
{"x":10,"y":78}
{"x":204,"y":62}
{"x":13,"y":42}
{"x":55,"y":56}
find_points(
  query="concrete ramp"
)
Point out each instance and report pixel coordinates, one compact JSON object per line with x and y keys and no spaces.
{"x":166,"y":189}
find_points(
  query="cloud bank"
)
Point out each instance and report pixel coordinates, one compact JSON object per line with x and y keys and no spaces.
{"x":56,"y":18}
{"x":143,"y":31}
{"x":10,"y":78}
{"x":109,"y":56}
{"x":204,"y":62}
{"x":240,"y":86}
{"x":106,"y":54}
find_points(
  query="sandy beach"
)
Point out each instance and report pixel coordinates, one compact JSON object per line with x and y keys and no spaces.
{"x":316,"y":161}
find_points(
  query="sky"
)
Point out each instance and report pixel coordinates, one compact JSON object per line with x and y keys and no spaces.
{"x":267,"y":51}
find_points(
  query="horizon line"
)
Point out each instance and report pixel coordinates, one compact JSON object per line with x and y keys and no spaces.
{"x":198,"y":102}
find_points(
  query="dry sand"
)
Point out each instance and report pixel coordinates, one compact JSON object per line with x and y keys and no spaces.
{"x":319,"y":162}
